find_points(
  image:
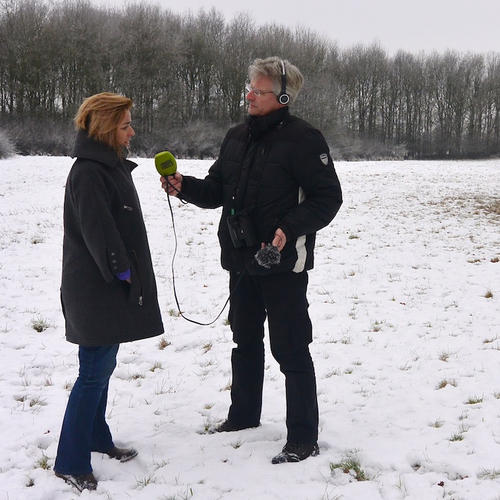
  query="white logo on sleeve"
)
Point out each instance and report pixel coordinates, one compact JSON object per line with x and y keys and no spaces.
{"x":324,"y":158}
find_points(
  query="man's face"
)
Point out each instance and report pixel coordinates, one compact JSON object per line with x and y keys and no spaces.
{"x":266,"y":102}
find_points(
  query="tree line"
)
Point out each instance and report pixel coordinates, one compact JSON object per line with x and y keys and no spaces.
{"x":186,"y":75}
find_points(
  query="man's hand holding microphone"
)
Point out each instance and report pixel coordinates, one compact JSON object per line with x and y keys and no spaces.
{"x":171,"y":180}
{"x":172,"y":184}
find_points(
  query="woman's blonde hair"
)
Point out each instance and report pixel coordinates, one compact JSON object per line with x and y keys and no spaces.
{"x":100,"y":115}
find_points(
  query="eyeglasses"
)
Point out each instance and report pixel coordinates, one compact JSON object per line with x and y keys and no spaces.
{"x":257,"y":92}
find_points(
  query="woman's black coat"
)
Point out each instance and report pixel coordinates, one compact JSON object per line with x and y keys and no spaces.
{"x":104,"y":234}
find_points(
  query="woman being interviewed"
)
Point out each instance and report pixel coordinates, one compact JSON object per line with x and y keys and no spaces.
{"x":108,"y":289}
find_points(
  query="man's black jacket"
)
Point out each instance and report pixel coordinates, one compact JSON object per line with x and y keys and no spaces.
{"x":278,"y":169}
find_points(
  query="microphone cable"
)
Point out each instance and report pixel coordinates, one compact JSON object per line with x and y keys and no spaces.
{"x":174,"y":230}
{"x":267,"y":256}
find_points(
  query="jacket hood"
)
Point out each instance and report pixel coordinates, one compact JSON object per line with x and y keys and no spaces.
{"x":88,"y":148}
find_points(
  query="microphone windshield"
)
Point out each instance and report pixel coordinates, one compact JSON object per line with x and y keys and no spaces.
{"x":165,"y":163}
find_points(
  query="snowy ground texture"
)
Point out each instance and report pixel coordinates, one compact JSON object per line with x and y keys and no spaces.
{"x":405,"y":305}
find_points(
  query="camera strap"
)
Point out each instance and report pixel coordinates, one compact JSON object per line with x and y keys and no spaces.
{"x":246,"y":167}
{"x":252,"y":162}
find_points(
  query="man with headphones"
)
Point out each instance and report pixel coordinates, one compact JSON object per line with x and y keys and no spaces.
{"x":277,"y":186}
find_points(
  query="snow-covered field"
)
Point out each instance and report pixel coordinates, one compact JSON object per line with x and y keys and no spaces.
{"x":405,"y":305}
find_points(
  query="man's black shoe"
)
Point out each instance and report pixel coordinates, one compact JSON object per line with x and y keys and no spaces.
{"x":80,"y":482}
{"x":296,"y":452}
{"x":228,"y":426}
{"x":121,"y":454}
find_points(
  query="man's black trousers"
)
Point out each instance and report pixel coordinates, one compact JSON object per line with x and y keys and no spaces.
{"x":282,"y":299}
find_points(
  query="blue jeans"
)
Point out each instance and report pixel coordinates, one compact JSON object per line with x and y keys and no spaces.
{"x":84,"y":427}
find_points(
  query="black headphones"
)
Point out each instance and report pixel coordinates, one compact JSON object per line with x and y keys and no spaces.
{"x":283,"y":97}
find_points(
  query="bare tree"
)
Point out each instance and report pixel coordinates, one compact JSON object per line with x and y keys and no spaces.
{"x":186,"y":76}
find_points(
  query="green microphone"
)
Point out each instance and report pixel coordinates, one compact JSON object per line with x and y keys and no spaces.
{"x":165,"y":164}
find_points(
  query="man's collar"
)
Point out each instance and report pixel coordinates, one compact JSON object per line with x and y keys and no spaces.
{"x":259,"y":126}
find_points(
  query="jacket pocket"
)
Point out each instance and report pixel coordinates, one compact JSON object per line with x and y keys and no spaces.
{"x":135,"y":296}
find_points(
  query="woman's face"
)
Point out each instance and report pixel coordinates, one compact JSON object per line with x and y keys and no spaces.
{"x":125,"y":131}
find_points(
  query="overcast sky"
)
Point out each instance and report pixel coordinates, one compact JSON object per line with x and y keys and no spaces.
{"x":411,"y":25}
